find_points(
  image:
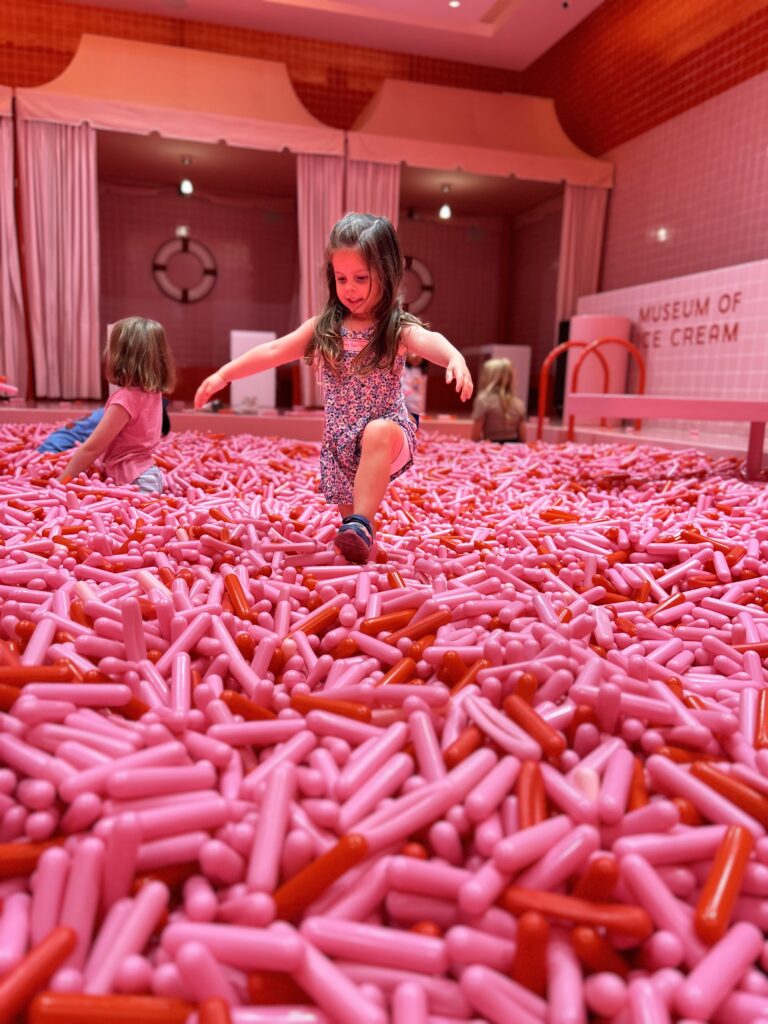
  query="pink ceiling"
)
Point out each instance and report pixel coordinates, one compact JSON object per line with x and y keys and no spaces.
{"x":498,"y":33}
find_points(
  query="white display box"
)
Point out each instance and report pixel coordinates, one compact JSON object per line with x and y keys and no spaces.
{"x":257,"y":391}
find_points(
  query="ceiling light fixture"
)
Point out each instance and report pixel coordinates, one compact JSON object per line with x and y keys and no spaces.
{"x":186,"y":188}
{"x":445,"y":212}
{"x":454,"y":3}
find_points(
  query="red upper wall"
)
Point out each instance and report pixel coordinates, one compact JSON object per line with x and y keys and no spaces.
{"x":634,"y":64}
{"x":630,"y":66}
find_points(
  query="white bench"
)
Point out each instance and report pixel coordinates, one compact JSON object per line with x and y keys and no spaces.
{"x":679,"y":407}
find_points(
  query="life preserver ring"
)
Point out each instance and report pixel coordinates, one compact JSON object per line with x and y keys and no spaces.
{"x":422,"y":273}
{"x":202,"y":254}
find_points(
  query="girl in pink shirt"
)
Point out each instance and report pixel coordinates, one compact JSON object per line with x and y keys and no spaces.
{"x":139,"y":362}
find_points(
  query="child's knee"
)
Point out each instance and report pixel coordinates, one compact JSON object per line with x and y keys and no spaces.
{"x":383,"y":433}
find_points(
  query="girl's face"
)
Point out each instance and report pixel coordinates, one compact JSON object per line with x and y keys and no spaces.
{"x":357,"y":288}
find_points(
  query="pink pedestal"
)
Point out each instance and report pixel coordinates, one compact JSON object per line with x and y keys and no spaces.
{"x":590,"y":327}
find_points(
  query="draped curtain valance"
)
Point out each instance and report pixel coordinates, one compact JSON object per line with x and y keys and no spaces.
{"x":446,"y":128}
{"x":127,"y":86}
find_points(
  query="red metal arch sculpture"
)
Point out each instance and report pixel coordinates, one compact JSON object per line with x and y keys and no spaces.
{"x":544,"y":376}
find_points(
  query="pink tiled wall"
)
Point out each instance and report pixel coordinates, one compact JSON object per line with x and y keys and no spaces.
{"x":255,"y":246}
{"x":634,"y":64}
{"x":256,"y":250}
{"x":701,"y":335}
{"x":464,"y":259}
{"x":701,"y":176}
{"x":533,"y":280}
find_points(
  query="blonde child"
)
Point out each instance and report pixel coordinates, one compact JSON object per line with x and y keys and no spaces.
{"x":498,"y":413}
{"x":137,"y":360}
{"x":360,"y":342}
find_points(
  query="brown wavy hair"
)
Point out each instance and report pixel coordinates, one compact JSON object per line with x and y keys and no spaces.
{"x":377,"y":241}
{"x":137,"y":356}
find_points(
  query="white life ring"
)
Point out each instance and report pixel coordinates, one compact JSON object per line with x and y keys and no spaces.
{"x":422,"y":273}
{"x":202,"y":254}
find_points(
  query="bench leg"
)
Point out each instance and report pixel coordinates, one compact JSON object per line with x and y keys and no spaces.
{"x":755,"y":450}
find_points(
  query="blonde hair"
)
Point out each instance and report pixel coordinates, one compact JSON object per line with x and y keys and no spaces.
{"x":137,"y":356}
{"x":497,"y":377}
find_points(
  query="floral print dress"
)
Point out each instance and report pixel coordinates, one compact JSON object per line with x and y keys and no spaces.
{"x":351,"y":402}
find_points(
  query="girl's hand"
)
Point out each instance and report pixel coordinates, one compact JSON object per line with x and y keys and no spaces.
{"x":115,"y":418}
{"x":457,"y":371}
{"x":208,"y":389}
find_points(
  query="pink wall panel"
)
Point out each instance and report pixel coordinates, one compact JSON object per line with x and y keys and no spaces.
{"x":703,"y":178}
{"x":464,"y":259}
{"x":256,"y":249}
{"x":471,"y":272}
{"x":701,"y":335}
{"x":533,"y":280}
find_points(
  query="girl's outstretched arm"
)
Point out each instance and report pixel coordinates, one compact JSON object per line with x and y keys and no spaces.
{"x":260,"y":357}
{"x":110,"y":425}
{"x":437,"y":349}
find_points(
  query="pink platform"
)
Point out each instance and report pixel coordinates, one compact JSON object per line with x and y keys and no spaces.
{"x":308,"y":426}
{"x":685,"y":408}
{"x":302,"y":426}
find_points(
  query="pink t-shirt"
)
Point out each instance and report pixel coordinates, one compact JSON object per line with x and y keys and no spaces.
{"x":130,"y":454}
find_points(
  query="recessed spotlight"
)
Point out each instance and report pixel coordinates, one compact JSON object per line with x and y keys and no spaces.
{"x":445,"y":212}
{"x":454,"y":3}
{"x":662,"y":234}
{"x":186,"y":188}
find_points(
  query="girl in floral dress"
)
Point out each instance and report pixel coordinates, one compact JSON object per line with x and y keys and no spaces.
{"x":359,"y":343}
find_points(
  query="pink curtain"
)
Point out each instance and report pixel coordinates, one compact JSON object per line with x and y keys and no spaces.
{"x":320,"y":192}
{"x":373,"y":188}
{"x":58,"y":183}
{"x":13,"y":344}
{"x":581,"y":246}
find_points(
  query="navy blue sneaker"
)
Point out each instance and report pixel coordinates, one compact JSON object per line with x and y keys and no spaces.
{"x":354,"y":539}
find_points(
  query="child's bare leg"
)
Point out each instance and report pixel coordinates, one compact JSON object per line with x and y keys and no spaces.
{"x":381,"y":444}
